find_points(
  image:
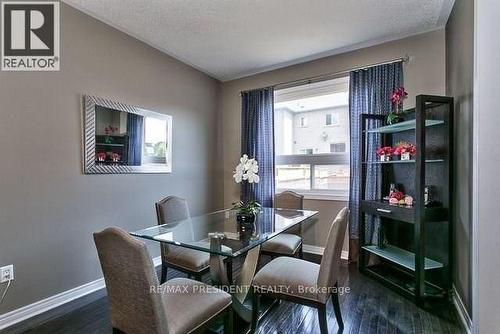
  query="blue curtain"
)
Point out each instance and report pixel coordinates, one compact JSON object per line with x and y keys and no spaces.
{"x":135,"y":132}
{"x":257,"y":140}
{"x":370,"y":91}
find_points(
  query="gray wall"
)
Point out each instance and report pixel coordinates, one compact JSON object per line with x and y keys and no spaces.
{"x":48,"y":208}
{"x":459,"y":84}
{"x":424,"y":74}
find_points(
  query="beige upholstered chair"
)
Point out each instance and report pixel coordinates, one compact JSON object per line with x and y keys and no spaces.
{"x":308,"y":283}
{"x":194,"y":263}
{"x":286,"y":244}
{"x":139,"y":304}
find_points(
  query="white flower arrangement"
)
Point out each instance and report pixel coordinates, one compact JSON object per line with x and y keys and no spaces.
{"x":246,"y":170}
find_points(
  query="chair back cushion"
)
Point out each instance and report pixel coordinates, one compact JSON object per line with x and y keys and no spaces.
{"x":289,"y":200}
{"x":130,"y":282}
{"x":328,"y":272}
{"x":171,"y":209}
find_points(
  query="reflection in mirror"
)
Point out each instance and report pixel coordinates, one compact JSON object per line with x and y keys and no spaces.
{"x":125,"y":139}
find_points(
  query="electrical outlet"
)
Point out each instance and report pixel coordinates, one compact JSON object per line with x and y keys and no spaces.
{"x":7,"y":273}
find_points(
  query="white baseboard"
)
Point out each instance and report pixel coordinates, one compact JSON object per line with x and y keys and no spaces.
{"x":462,"y":311}
{"x":44,"y":305}
{"x":311,"y":249}
{"x":16,"y":316}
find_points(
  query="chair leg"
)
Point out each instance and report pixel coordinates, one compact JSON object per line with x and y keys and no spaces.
{"x":164,"y":270}
{"x":323,"y":324}
{"x":228,"y":320}
{"x":336,"y":307}
{"x":255,"y":311}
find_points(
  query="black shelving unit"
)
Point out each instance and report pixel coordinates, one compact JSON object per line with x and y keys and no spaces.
{"x":112,"y":144}
{"x":414,"y":252}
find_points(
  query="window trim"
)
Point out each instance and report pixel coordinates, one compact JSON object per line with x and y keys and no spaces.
{"x":313,"y":159}
{"x":319,"y":195}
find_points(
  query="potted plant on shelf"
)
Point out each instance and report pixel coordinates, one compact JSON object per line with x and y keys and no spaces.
{"x":405,"y":150}
{"x":247,"y":170}
{"x":384,"y":153}
{"x":397,"y":98}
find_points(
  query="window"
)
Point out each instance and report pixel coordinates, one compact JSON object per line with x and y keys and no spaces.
{"x":331,"y":119}
{"x":155,"y":140}
{"x":306,"y":151}
{"x":303,"y":122}
{"x":337,"y":148}
{"x":312,"y":139}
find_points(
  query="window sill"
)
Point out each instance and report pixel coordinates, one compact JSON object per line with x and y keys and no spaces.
{"x":320,"y":196}
{"x":326,"y":197}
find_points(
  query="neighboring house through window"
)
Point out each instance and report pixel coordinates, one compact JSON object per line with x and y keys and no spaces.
{"x":312,"y":139}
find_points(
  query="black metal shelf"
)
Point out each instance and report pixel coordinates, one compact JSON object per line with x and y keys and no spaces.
{"x":110,"y":144}
{"x":402,"y":212}
{"x":401,"y":257}
{"x":412,"y":161}
{"x":401,"y":281}
{"x":415,"y":243}
{"x":404,"y":126}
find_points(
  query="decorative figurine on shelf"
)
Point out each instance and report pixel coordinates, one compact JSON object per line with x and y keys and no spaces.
{"x":430,"y":197}
{"x":391,"y":190}
{"x":397,"y":97}
{"x":101,"y":156}
{"x":397,"y":197}
{"x":405,"y":150}
{"x":246,"y":170}
{"x":384,"y":153}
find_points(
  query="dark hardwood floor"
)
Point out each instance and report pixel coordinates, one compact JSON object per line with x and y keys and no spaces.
{"x":369,"y":307}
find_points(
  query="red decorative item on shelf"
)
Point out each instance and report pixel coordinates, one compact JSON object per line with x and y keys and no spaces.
{"x":405,"y":150}
{"x":397,"y":97}
{"x":399,"y":195}
{"x":110,"y":129}
{"x":386,"y":150}
{"x":101,"y":156}
{"x":115,"y":157}
{"x":384,"y":153}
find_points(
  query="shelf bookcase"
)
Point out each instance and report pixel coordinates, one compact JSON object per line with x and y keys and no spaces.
{"x":414,"y":252}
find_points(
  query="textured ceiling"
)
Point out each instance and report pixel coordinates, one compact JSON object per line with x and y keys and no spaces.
{"x":228,"y":39}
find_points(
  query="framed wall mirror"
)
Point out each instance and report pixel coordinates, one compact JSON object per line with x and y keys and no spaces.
{"x":124,"y":139}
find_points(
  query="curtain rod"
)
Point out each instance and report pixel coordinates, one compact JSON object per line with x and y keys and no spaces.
{"x":323,"y":77}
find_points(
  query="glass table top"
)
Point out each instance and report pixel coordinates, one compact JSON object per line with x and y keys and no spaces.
{"x":206,"y":232}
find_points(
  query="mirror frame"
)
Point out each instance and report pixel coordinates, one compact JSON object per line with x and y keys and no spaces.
{"x":89,"y":143}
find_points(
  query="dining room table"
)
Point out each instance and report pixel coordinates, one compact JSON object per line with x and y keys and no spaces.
{"x":225,"y":238}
